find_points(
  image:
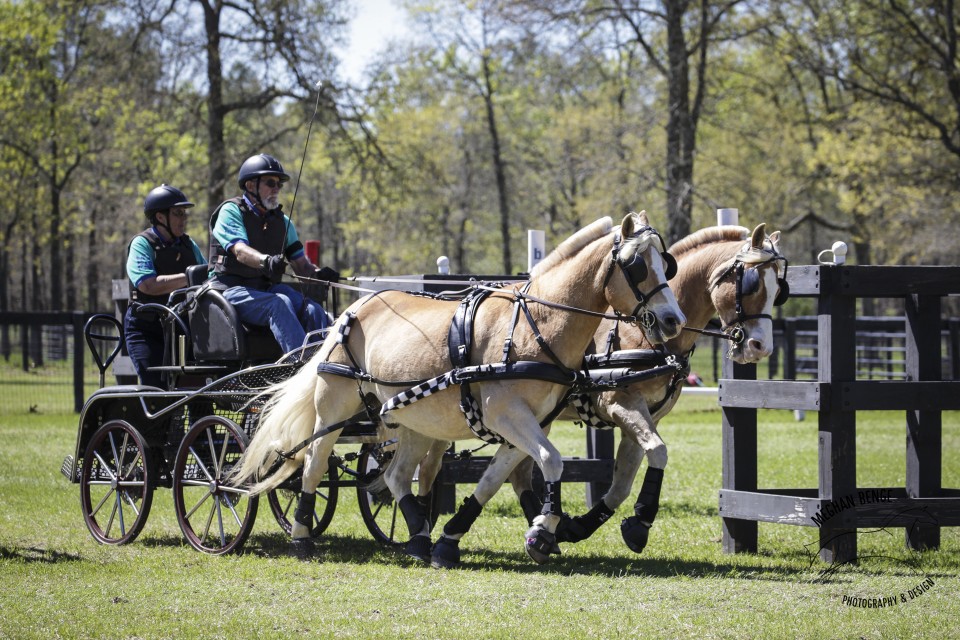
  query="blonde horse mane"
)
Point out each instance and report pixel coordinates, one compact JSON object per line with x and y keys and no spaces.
{"x":708,"y":236}
{"x":573,"y":244}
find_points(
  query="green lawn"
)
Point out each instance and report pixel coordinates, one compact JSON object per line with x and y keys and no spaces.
{"x":55,"y":581}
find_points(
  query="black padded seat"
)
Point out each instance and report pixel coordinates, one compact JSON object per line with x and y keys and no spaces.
{"x":218,"y":336}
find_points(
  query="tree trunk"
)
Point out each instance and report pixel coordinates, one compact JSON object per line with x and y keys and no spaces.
{"x":93,"y":281}
{"x":680,"y":131}
{"x":498,"y":167}
{"x":216,"y":149}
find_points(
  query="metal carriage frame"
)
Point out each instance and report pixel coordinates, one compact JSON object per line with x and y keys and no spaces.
{"x":134,"y":439}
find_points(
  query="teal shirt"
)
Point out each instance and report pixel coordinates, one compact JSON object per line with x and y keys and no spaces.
{"x":140,"y":261}
{"x":229,"y":230}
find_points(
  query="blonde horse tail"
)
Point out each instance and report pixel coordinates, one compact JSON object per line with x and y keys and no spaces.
{"x":288,"y":418}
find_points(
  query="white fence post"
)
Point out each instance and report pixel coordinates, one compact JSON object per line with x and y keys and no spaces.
{"x":728,"y":217}
{"x":536,"y":243}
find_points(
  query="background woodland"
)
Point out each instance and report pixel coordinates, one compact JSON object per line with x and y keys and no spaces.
{"x":825,"y":119}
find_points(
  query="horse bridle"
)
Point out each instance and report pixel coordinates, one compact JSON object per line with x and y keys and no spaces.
{"x":747,"y":283}
{"x":636,"y":271}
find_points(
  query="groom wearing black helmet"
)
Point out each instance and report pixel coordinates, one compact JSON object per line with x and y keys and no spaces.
{"x":251,"y":242}
{"x":157,"y":261}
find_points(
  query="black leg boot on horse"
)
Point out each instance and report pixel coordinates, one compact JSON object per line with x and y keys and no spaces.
{"x":540,"y":541}
{"x":636,"y":529}
{"x":582,"y":527}
{"x":303,"y":519}
{"x":418,"y":523}
{"x":446,"y":550}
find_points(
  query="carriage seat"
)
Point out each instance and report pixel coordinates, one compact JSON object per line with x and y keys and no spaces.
{"x":218,"y":336}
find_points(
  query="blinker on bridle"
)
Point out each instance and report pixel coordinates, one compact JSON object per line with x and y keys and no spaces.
{"x":636,"y":271}
{"x":748,"y":283}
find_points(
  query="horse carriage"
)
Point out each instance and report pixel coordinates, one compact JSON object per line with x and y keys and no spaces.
{"x":187,"y":436}
{"x":589,"y":323}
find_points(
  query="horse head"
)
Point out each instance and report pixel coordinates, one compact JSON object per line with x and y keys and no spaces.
{"x":744,"y":291}
{"x":643,"y":266}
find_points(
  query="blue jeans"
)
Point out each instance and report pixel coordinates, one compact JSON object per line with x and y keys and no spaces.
{"x":144,"y":339}
{"x":288,"y":313}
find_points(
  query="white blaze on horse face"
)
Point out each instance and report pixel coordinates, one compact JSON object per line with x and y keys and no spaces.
{"x":758,"y":341}
{"x":664,"y":305}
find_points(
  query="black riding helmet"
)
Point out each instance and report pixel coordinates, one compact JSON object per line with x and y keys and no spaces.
{"x":164,"y":198}
{"x":261,"y":165}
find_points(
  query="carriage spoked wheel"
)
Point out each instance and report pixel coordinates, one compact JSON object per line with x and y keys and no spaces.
{"x":283,"y":503}
{"x":379,"y":511}
{"x":116,"y":483}
{"x":215,"y":517}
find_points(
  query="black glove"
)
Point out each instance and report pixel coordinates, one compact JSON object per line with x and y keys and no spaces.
{"x":327,"y":274}
{"x":273,"y":267}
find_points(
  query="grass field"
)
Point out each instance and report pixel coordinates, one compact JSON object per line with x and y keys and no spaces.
{"x":55,"y":581}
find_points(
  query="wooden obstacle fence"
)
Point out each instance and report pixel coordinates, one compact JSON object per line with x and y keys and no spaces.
{"x":923,"y":505}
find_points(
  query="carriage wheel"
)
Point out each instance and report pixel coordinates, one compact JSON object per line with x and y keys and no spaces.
{"x":283,"y":503}
{"x":380,"y":512}
{"x":215,"y":517}
{"x":116,"y":484}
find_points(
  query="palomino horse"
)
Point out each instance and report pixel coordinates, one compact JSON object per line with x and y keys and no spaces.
{"x":718,"y":273}
{"x":394,"y":339}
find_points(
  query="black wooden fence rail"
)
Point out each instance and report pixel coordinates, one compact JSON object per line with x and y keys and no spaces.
{"x":837,"y":395}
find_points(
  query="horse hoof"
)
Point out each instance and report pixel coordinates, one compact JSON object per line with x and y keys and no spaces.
{"x":418,"y":547}
{"x":302,"y":548}
{"x":446,"y":553}
{"x":635,"y":533}
{"x":540,"y":544}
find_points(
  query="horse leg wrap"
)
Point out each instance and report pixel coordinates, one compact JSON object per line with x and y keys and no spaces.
{"x":531,"y":505}
{"x":582,"y":527}
{"x":445,"y":553}
{"x":303,"y":517}
{"x":461,"y":522}
{"x":551,"y":499}
{"x":541,"y":543}
{"x":306,"y":506}
{"x":636,"y":529}
{"x":415,"y":513}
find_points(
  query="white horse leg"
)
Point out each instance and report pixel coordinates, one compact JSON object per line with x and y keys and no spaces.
{"x":629,"y":457}
{"x":411,"y":448}
{"x":541,"y":539}
{"x":511,"y":417}
{"x":446,"y":551}
{"x":315,"y":464}
{"x":521,"y":479}
{"x":430,"y":468}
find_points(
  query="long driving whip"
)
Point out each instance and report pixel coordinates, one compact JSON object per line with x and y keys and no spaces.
{"x":303,"y":159}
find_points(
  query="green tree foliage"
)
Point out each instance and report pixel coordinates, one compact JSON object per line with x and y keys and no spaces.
{"x":828,"y":120}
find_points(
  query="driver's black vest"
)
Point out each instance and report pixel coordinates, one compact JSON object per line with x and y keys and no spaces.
{"x":266,"y":234}
{"x":168,"y":259}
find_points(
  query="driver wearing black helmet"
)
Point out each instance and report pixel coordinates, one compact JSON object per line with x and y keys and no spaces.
{"x":251,"y":242}
{"x":157,"y":261}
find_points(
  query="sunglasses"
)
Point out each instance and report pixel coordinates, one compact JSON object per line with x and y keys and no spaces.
{"x":179,"y":213}
{"x":272,"y":183}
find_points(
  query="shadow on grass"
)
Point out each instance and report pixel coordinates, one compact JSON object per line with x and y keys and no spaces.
{"x":32,"y":555}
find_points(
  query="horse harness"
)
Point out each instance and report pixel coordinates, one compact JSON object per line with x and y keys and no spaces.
{"x":593,"y":378}
{"x":621,"y":368}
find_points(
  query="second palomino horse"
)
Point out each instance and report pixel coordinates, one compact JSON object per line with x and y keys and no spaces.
{"x":507,"y":354}
{"x":718,"y":274}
